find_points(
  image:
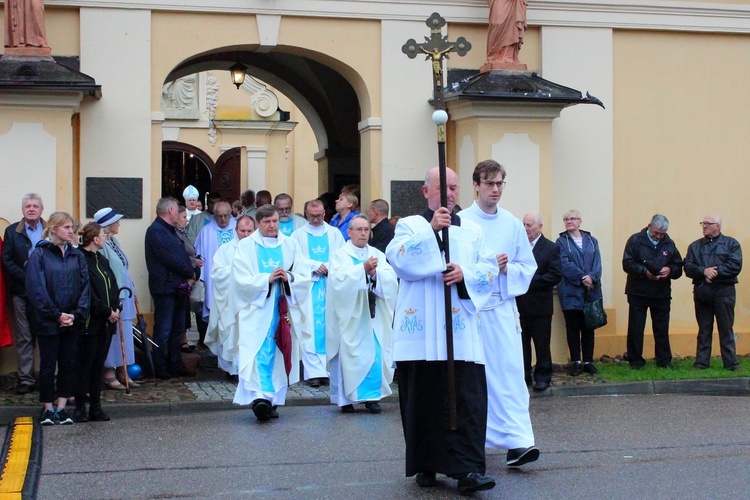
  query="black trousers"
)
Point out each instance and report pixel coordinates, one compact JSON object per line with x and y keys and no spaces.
{"x":538,"y":329}
{"x":660,"y":309}
{"x":57,"y":351}
{"x":89,"y":368}
{"x":430,"y":444}
{"x":720,"y":305}
{"x":580,"y":338}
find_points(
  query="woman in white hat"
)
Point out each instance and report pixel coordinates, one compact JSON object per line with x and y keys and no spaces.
{"x":114,"y":372}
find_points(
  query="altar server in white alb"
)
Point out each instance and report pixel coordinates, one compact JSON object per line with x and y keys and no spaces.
{"x":419,"y":344}
{"x":267,"y":267}
{"x":362,"y":292}
{"x":219,"y":231}
{"x":222,"y":333}
{"x":318,"y":241}
{"x":508,"y":421}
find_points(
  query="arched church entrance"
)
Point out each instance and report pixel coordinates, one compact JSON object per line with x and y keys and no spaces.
{"x":321,"y":98}
{"x":184,"y":164}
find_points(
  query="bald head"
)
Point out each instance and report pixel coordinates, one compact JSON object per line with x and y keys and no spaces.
{"x":431,"y":188}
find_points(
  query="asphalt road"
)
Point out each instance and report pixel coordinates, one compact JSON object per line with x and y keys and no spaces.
{"x":592,"y":447}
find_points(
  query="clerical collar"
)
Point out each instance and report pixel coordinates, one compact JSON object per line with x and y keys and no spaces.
{"x":427,"y":214}
{"x":268,"y":241}
{"x":316,"y":230}
{"x":360,"y":252}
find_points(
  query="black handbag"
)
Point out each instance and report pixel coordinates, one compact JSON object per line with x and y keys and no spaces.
{"x":594,"y":315}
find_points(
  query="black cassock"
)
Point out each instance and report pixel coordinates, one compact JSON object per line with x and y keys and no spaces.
{"x":431,"y":446}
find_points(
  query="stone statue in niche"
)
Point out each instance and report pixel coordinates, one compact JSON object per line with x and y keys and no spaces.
{"x":507,"y":25}
{"x":25,"y":33}
{"x":179,"y":98}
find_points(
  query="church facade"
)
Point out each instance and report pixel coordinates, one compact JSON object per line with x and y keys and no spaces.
{"x":330,"y":100}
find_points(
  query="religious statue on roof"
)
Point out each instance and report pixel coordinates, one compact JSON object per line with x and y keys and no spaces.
{"x":507,"y":24}
{"x":24,"y":24}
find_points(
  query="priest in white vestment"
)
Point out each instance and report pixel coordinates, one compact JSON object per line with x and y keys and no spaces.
{"x":222,"y":333}
{"x":318,"y":241}
{"x":218,"y":232}
{"x":268,"y":265}
{"x":419,"y":344}
{"x":359,"y":333}
{"x":289,"y":222}
{"x":508,"y":421}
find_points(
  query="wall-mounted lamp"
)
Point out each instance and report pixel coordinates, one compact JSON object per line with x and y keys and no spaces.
{"x":238,"y":74}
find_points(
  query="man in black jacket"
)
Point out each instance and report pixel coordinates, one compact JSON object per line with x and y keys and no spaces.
{"x":19,"y":240}
{"x":713,"y":262}
{"x":382,"y":231}
{"x":168,"y":268}
{"x":535,"y":306}
{"x":652,"y":261}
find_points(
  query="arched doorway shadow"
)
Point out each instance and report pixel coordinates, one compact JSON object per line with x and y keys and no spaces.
{"x":329,"y":94}
{"x":184,"y":164}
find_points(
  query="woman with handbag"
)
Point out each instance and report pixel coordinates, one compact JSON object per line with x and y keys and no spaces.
{"x":581,"y":284}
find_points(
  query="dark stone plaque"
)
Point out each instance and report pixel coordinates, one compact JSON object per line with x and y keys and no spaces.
{"x":407,"y":198}
{"x":123,"y":194}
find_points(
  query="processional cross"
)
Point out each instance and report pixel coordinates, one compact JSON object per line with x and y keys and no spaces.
{"x":437,"y":47}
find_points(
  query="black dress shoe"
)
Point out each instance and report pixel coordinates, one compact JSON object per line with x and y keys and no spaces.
{"x":80,"y":415}
{"x":24,"y":389}
{"x":575,"y":369}
{"x":314,"y":382}
{"x":521,"y":456}
{"x":541,"y":386}
{"x":347,"y":409}
{"x":96,"y":414}
{"x":590,"y":368}
{"x":426,"y":479}
{"x":273,"y":413}
{"x":373,"y":407}
{"x":474,"y":481}
{"x":262,"y":409}
{"x":325,"y":381}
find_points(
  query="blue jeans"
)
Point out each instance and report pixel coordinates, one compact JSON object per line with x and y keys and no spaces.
{"x":169,"y":325}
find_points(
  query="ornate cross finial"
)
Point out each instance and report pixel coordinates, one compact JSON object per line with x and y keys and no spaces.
{"x":436,"y":47}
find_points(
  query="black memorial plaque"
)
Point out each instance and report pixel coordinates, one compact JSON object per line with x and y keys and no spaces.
{"x":123,"y":194}
{"x":407,"y":198}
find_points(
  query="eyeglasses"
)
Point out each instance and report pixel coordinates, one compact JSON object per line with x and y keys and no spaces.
{"x":571,"y":219}
{"x":315,"y":217}
{"x":284,"y":210}
{"x":222,"y":216}
{"x":360,"y":229}
{"x":498,"y":184}
{"x":704,"y":224}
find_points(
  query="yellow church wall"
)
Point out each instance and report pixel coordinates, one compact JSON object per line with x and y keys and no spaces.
{"x":476,"y":34}
{"x":680,"y":148}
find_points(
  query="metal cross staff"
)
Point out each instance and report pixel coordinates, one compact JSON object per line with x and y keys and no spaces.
{"x":437,"y":47}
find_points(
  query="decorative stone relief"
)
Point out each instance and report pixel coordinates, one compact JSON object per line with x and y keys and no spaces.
{"x":179,"y":99}
{"x":264,"y":102}
{"x":212,"y":92}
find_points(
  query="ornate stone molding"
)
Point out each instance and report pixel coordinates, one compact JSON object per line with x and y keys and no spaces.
{"x":212,"y":92}
{"x":636,"y":14}
{"x":264,"y":102}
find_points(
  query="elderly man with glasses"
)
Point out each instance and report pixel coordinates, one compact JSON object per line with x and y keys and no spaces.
{"x":218,"y":231}
{"x":288,"y":220}
{"x":713,"y":262}
{"x":318,"y":242}
{"x":652,"y":261}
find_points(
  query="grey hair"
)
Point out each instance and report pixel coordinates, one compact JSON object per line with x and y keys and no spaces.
{"x":659,"y":222}
{"x":361,"y":216}
{"x":31,"y":196}
{"x":265,"y":211}
{"x":164,"y":204}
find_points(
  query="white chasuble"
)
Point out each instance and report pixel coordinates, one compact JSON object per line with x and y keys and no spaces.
{"x":222,"y":333}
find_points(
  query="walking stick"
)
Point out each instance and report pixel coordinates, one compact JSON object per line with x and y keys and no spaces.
{"x":122,"y":343}
{"x":436,"y":48}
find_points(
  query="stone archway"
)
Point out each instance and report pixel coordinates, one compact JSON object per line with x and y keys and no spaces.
{"x":184,"y":164}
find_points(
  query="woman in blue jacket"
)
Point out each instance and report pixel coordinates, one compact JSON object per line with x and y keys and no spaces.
{"x":57,"y":284}
{"x":582,"y":272}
